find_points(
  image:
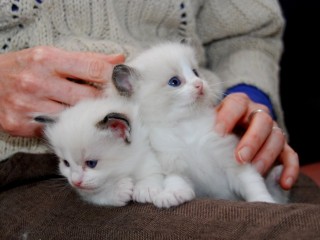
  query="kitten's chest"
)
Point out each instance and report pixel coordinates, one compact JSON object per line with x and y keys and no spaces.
{"x":181,"y":134}
{"x":192,"y":144}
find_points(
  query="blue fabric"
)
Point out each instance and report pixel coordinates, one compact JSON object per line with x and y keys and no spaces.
{"x":255,"y":94}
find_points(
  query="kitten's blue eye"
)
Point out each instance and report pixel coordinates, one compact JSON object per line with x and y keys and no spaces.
{"x":66,"y":163}
{"x":91,"y":163}
{"x":195,"y":72}
{"x":174,"y":82}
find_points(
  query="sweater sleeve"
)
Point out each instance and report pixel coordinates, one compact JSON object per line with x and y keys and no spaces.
{"x":245,"y":44}
{"x":255,"y":94}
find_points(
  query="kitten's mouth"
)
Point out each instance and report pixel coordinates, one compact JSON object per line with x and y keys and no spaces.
{"x":86,"y":189}
{"x":199,"y":97}
{"x":200,"y":93}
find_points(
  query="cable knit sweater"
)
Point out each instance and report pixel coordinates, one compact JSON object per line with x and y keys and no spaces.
{"x":240,"y":40}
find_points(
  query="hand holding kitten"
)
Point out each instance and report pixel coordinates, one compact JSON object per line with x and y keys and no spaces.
{"x":37,"y":80}
{"x":263,"y":143}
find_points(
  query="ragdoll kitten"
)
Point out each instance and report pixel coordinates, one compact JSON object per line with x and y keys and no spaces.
{"x":103,"y":152}
{"x":176,"y":104}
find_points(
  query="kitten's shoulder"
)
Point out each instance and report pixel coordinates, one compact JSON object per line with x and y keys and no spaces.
{"x":91,"y":110}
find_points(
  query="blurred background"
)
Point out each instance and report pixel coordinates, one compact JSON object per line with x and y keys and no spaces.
{"x":300,"y":73}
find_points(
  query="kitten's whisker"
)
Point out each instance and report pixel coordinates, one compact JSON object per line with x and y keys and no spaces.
{"x":59,"y":186}
{"x":218,"y":83}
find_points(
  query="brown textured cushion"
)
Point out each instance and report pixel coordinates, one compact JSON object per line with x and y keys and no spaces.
{"x":36,"y":204}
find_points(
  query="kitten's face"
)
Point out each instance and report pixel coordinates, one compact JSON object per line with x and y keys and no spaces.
{"x":91,"y":141}
{"x":166,"y":79}
{"x":173,"y":87}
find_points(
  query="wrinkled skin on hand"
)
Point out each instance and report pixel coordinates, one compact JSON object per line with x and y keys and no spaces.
{"x":37,"y":80}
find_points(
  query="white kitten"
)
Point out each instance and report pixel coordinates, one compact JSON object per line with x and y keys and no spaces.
{"x":177,"y":107}
{"x":104,"y":152}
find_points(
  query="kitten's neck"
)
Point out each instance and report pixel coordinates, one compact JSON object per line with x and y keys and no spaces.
{"x":173,"y":117}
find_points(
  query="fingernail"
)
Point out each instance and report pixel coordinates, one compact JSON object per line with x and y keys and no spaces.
{"x":259,"y":166}
{"x":115,"y":55}
{"x":244,"y":154}
{"x":220,"y":129}
{"x":289,"y":181}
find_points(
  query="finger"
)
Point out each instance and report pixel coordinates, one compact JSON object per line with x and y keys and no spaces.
{"x":259,"y":129}
{"x":46,"y":107}
{"x":232,"y":108}
{"x":290,"y":161}
{"x":20,"y":121}
{"x":67,"y":92}
{"x":270,"y":151}
{"x":23,"y":127}
{"x":30,"y":129}
{"x":18,"y":106}
{"x":87,"y":66}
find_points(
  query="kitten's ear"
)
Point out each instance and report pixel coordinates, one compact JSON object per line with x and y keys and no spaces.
{"x":118,"y":124}
{"x":123,"y":77}
{"x":46,"y":119}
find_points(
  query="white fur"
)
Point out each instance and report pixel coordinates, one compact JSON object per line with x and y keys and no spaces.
{"x":196,"y":160}
{"x":174,"y":154}
{"x":124,"y":172}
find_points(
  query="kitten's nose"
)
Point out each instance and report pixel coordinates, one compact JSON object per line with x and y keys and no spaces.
{"x":199,"y":85}
{"x":77,"y":183}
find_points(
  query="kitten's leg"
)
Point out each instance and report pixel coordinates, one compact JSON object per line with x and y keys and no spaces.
{"x":176,"y":191}
{"x":123,"y":192}
{"x":147,"y":188}
{"x":149,"y":180}
{"x":114,"y":194}
{"x":249,"y":184}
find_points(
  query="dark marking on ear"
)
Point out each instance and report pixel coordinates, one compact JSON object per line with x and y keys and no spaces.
{"x":118,"y":123}
{"x":45,"y":119}
{"x":122,"y":78}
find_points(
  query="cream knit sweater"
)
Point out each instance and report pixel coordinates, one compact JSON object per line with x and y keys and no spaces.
{"x":240,"y":40}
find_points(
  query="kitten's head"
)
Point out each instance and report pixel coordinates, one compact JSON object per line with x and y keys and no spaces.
{"x":164,"y":79}
{"x":92,"y":140}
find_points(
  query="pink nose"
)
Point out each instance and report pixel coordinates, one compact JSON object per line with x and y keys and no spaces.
{"x":77,"y":183}
{"x":199,"y":85}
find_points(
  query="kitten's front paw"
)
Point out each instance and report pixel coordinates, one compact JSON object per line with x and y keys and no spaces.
{"x":123,"y":192}
{"x":146,"y":192}
{"x":170,"y":198}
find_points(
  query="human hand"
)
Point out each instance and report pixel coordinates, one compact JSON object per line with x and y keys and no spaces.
{"x":38,"y":80}
{"x":262,"y":142}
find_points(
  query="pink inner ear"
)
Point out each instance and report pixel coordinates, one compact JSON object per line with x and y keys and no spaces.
{"x":119,"y":126}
